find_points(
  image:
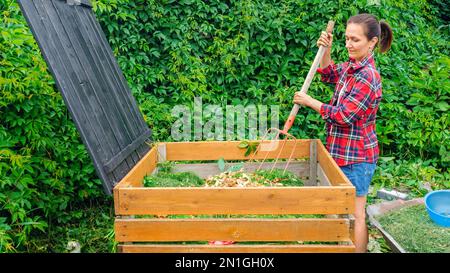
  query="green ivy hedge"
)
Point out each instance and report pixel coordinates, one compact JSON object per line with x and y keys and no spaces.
{"x":44,"y":167}
{"x":259,"y":51}
{"x":228,"y":52}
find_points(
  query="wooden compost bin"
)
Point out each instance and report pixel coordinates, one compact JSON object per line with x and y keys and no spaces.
{"x":327,"y":192}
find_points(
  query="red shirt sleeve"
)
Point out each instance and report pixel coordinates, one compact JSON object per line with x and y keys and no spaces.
{"x":352,"y":107}
{"x":330,"y":73}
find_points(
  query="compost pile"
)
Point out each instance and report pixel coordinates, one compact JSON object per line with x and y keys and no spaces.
{"x":241,"y":179}
{"x":233,"y":177}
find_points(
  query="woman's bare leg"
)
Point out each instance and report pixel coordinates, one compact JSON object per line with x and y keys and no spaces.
{"x":361,"y":235}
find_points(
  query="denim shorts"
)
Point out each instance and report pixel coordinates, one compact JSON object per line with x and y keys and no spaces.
{"x":360,"y":174}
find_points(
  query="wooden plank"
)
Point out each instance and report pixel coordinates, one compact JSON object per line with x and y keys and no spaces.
{"x":48,"y":42}
{"x":144,"y":148}
{"x":125,"y":152}
{"x":257,"y":200}
{"x":97,"y":85}
{"x":248,"y":230}
{"x":116,"y":196}
{"x":144,"y":167}
{"x":236,"y":248}
{"x":351,"y":219}
{"x":205,"y":170}
{"x":110,"y":91}
{"x":114,"y":73}
{"x":118,"y":100}
{"x":79,"y":61}
{"x":162,"y":152}
{"x":95,"y":77}
{"x":85,"y":3}
{"x":323,"y":179}
{"x":214,"y":150}
{"x":330,"y":168}
{"x":63,"y":64}
{"x":89,"y":100}
{"x":312,"y":164}
{"x":126,"y":217}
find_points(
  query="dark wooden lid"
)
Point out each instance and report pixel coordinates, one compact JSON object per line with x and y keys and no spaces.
{"x":92,"y":85}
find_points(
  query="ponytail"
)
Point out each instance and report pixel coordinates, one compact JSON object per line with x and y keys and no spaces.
{"x":385,"y":37}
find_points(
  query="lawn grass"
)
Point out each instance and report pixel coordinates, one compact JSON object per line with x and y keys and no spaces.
{"x":412,"y":228}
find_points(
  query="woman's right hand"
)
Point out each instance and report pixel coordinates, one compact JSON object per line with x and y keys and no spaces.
{"x":326,"y":40}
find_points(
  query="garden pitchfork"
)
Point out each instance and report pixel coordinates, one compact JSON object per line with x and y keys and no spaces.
{"x":270,"y":145}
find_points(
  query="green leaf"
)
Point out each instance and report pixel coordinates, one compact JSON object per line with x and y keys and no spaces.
{"x":442,"y":105}
{"x":236,"y":167}
{"x":243,"y":144}
{"x":221,"y":163}
{"x":386,"y":158}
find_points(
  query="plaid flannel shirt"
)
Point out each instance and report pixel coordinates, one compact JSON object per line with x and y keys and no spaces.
{"x":351,"y":114}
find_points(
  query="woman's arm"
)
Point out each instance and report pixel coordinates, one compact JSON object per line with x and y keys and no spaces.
{"x":348,"y":111}
{"x":328,"y":69}
{"x":306,"y":100}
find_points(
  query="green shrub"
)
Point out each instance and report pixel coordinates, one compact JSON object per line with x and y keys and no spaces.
{"x":44,"y":167}
{"x":259,"y":52}
{"x":414,"y":177}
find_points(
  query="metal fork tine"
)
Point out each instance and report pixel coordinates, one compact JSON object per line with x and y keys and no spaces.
{"x":267,"y":153}
{"x":279,"y":153}
{"x":259,"y":146}
{"x":290,"y":156}
{"x":267,"y":139}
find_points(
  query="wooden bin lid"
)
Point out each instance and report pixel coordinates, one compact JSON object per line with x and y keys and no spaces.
{"x":93,"y":87}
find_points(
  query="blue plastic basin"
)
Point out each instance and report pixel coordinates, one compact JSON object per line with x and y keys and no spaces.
{"x":438,"y":207}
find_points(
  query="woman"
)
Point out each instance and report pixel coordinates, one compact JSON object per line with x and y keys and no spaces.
{"x":350,"y":116}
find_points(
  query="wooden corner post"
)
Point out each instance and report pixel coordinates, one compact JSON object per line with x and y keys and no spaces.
{"x":312,"y":164}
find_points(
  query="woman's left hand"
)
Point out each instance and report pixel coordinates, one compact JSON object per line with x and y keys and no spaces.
{"x":302,"y":98}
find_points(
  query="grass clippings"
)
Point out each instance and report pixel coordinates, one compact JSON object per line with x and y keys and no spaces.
{"x":413,"y":229}
{"x":261,"y":178}
{"x":165,"y":179}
